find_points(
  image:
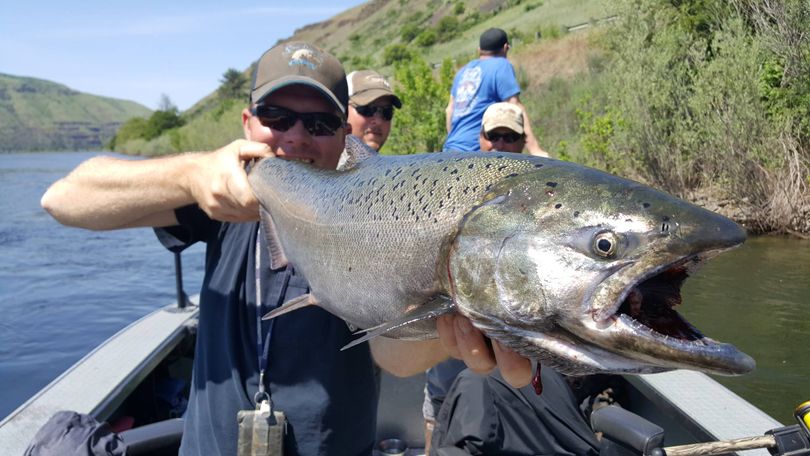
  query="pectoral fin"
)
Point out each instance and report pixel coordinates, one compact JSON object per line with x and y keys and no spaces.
{"x":437,"y":306}
{"x":293,"y":304}
{"x":277,"y":257}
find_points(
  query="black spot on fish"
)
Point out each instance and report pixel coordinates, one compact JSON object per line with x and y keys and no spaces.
{"x":444,"y":169}
{"x":388,"y":171}
{"x":513,"y":175}
{"x":646,"y":205}
{"x":538,"y":165}
{"x":551,"y":184}
{"x":471,"y":166}
{"x":440,"y":160}
{"x":488,"y":165}
{"x":455,"y":171}
{"x":550,"y":192}
{"x":502,"y":167}
{"x":350,"y":269}
{"x":557,"y":206}
{"x":576,"y":213}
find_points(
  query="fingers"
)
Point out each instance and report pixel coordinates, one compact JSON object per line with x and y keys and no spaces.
{"x":461,"y":340}
{"x":473,"y":347}
{"x":221,"y":186}
{"x":515,"y":369}
{"x":447,"y":335}
{"x":249,"y":150}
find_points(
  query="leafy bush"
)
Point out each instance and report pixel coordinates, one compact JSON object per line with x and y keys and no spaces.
{"x":420,"y":125}
{"x":409,"y":32}
{"x":395,"y":53}
{"x":427,"y":38}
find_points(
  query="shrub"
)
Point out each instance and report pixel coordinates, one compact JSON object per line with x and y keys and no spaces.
{"x":426,"y":38}
{"x":395,"y":53}
{"x":420,"y":125}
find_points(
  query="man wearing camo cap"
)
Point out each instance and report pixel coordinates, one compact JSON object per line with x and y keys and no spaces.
{"x":371,"y":107}
{"x":502,"y":129}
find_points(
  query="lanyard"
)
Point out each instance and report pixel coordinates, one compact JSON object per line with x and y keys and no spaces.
{"x":263,"y":343}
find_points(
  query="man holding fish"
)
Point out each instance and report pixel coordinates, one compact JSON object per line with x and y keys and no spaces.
{"x":297,"y":112}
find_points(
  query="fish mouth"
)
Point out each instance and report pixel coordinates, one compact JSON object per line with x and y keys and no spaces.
{"x":642,"y":323}
{"x":650,"y":301}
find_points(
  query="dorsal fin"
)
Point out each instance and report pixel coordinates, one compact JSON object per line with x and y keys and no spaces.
{"x":277,"y":257}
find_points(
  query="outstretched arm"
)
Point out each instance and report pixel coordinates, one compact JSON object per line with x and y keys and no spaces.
{"x":106,"y":193}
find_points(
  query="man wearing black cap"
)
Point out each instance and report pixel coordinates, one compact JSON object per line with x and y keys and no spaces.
{"x":297,"y":112}
{"x":486,"y":80}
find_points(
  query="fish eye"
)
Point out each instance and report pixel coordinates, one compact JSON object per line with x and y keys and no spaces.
{"x":605,"y":244}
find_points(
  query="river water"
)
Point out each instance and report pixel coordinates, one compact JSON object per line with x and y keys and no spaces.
{"x":65,"y":290}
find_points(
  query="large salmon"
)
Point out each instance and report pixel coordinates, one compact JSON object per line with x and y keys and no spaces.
{"x":574,"y":267}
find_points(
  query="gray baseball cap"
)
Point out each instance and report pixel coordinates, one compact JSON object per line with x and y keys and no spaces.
{"x":365,"y":86}
{"x":297,"y":62}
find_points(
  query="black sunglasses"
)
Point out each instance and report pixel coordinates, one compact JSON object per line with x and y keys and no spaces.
{"x":508,"y":138}
{"x":281,"y":119}
{"x":387,"y":112}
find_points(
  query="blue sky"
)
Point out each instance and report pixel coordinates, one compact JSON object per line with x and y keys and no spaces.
{"x":139,"y":50}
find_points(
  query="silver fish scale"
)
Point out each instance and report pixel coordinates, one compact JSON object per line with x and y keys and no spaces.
{"x":338,"y":227}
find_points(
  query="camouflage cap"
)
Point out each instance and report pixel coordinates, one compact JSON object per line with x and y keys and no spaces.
{"x":298,"y":62}
{"x":365,"y":86}
{"x":508,"y":115}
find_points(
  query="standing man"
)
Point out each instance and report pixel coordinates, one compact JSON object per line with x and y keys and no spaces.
{"x":297,"y":111}
{"x":486,"y":80}
{"x":371,"y":107}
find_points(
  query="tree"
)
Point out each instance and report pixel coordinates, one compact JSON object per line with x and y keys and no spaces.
{"x":234,"y":85}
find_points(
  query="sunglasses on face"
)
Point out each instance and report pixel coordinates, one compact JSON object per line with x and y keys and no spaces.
{"x":387,"y":112}
{"x":508,"y":138}
{"x":281,"y":119}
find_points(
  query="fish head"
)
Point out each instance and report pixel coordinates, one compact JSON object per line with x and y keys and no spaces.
{"x":582,"y":271}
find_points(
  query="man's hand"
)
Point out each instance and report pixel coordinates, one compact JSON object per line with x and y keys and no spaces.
{"x":464,"y":341}
{"x":220,"y":186}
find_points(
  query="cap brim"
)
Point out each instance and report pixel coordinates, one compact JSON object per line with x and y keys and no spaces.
{"x":368,"y":96}
{"x":260,"y":93}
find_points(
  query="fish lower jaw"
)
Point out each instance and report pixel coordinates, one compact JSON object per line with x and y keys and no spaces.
{"x":647,"y":346}
{"x":566,"y":354}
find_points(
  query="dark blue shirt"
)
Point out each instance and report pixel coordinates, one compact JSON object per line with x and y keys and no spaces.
{"x":328,"y":395}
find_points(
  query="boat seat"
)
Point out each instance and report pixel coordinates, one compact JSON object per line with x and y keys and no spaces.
{"x":158,"y":438}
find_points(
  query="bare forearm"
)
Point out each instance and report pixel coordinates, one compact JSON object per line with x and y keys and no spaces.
{"x":448,"y":115}
{"x":532,"y":146}
{"x":403,"y":358}
{"x":107,"y":193}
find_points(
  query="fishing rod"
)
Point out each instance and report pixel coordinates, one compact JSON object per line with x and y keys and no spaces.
{"x":629,"y":434}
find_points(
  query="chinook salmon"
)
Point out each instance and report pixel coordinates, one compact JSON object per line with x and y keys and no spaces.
{"x":571,"y":266}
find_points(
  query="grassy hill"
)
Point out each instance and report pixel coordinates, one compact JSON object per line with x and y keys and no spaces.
{"x":42,"y":115}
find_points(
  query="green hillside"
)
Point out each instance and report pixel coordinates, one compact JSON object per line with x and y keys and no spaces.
{"x":708,"y":100}
{"x":42,"y":115}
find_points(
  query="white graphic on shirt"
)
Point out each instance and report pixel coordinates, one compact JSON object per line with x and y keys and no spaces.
{"x":466,"y":91}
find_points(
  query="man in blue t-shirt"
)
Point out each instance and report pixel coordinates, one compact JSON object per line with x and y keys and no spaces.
{"x":297,"y":111}
{"x":486,"y":80}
